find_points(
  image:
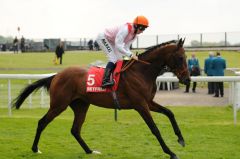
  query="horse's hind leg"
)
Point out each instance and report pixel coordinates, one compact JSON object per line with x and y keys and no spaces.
{"x":153,"y":106}
{"x":43,"y":122}
{"x":80,"y":109}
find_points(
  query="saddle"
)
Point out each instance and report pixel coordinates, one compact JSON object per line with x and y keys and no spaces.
{"x":95,"y":76}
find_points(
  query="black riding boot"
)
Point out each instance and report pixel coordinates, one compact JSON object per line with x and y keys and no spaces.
{"x":107,"y":73}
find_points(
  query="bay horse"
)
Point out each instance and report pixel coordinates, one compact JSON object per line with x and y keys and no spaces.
{"x":136,"y":90}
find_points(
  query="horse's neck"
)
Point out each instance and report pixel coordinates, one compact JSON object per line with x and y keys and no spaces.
{"x":149,"y":72}
{"x":157,"y":63}
{"x":154,"y":55}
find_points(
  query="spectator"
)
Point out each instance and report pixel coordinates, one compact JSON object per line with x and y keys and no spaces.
{"x":218,"y":66}
{"x":115,"y":42}
{"x":46,"y":46}
{"x":96,"y":46}
{"x":209,"y":71}
{"x":15,"y":45}
{"x":59,"y":53}
{"x":4,"y":47}
{"x":194,"y":69}
{"x":22,"y":44}
{"x":90,"y":44}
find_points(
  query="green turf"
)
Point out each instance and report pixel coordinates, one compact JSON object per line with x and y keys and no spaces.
{"x":209,"y":134}
{"x":81,"y":58}
{"x":45,"y":61}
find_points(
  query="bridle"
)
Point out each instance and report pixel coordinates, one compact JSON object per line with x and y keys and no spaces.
{"x":178,"y":73}
{"x":175,"y":67}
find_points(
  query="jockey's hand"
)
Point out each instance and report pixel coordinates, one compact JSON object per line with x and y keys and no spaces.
{"x":134,"y":57}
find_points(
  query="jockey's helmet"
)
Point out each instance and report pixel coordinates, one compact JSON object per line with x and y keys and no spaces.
{"x":141,"y":21}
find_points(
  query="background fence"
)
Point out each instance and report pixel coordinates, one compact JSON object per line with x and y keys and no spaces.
{"x":226,"y":39}
{"x":197,"y":40}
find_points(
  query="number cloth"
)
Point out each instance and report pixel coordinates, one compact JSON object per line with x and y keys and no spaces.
{"x":95,"y":76}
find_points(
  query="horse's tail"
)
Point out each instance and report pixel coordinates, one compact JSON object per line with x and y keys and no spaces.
{"x":45,"y":82}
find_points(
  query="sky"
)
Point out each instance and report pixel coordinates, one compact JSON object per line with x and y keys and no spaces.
{"x":87,"y":18}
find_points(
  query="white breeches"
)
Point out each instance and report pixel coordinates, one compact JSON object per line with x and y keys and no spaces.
{"x":112,"y":54}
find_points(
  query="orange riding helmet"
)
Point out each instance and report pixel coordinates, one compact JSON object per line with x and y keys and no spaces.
{"x":141,"y":20}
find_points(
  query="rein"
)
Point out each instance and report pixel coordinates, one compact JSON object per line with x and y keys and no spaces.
{"x":130,"y":62}
{"x":144,"y":62}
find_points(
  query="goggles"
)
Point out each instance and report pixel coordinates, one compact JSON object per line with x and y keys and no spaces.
{"x":142,"y":28}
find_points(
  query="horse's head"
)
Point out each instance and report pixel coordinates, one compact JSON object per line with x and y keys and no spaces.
{"x":170,"y":54}
{"x":176,"y":61}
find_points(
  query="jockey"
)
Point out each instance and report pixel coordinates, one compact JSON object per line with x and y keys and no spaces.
{"x":116,"y":42}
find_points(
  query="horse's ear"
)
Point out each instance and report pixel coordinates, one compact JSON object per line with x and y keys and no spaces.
{"x":180,"y":43}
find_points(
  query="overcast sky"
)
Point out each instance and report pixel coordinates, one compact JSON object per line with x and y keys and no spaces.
{"x":86,"y":18}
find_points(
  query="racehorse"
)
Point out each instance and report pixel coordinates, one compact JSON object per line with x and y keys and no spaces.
{"x":136,"y":90}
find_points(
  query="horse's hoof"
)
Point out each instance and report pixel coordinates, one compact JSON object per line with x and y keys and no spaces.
{"x":174,"y":157}
{"x":96,"y":152}
{"x":181,"y":142}
{"x":36,"y":151}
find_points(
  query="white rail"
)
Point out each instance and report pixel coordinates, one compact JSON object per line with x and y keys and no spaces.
{"x":29,"y":77}
{"x":202,"y":79}
{"x":25,"y":76}
{"x":234,"y":80}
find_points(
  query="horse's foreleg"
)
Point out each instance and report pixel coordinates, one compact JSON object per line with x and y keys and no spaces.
{"x":153,"y":106}
{"x":145,"y":113}
{"x":80,"y":110}
{"x":42,"y":123}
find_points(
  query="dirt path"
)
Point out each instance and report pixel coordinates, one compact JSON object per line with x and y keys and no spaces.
{"x":177,"y":97}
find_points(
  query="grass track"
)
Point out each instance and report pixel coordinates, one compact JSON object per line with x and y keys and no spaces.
{"x":209,"y":133}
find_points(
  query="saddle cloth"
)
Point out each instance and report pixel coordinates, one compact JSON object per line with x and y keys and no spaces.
{"x":95,"y":76}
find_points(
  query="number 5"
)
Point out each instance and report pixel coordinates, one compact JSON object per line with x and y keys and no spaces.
{"x":90,"y":80}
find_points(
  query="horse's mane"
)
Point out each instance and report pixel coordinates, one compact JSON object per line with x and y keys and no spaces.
{"x":151,"y":48}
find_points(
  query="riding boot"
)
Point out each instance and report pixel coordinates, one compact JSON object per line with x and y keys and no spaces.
{"x":107,"y":73}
